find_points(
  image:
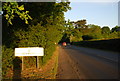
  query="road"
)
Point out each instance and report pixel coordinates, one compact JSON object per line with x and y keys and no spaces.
{"x":85,"y":63}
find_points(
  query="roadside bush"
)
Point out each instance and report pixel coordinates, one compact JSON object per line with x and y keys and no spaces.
{"x":115,"y":34}
{"x":7,"y":59}
{"x":39,"y":36}
{"x":75,"y":39}
{"x":87,"y":37}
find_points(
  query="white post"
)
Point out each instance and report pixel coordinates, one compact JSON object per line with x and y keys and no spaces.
{"x":22,"y":64}
{"x":37,"y":62}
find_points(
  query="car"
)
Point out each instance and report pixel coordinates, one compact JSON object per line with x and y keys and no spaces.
{"x":64,"y":44}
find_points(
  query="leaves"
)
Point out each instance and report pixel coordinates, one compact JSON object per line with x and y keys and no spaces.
{"x":45,"y":29}
{"x":12,"y":9}
{"x":21,"y":7}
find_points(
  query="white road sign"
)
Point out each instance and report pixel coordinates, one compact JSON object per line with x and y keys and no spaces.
{"x":29,"y":51}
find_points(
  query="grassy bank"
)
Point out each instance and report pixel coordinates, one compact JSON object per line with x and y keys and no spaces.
{"x":110,"y":45}
{"x":51,"y":67}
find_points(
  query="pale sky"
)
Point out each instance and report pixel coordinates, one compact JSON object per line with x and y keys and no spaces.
{"x":98,"y":13}
{"x":94,"y":0}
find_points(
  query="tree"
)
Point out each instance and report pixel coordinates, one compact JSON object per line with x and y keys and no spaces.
{"x":76,"y":35}
{"x":80,"y":24}
{"x":114,"y":35}
{"x":68,"y":31}
{"x":116,"y":28}
{"x":12,"y":8}
{"x":93,"y":32}
{"x":105,"y":31}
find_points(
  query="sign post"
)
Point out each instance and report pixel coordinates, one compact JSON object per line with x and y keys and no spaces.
{"x":22,"y":64}
{"x":29,"y":51}
{"x":38,"y":65}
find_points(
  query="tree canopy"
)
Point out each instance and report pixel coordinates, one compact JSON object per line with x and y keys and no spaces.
{"x":12,"y":8}
{"x":81,"y":31}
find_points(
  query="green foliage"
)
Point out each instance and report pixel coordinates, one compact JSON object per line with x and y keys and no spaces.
{"x":39,"y":36}
{"x":45,"y":30}
{"x":7,"y":59}
{"x":81,"y":31}
{"x":118,"y":34}
{"x":90,"y":32}
{"x":105,"y":31}
{"x":87,"y":37}
{"x":95,"y":32}
{"x":115,"y":34}
{"x":67,"y":31}
{"x":77,"y":35}
{"x":116,"y":28}
{"x":12,"y":8}
{"x":80,"y":24}
{"x":0,"y":6}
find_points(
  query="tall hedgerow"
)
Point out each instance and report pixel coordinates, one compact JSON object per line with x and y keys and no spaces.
{"x":45,"y":30}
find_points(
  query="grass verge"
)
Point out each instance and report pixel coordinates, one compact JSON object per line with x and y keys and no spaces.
{"x":47,"y":71}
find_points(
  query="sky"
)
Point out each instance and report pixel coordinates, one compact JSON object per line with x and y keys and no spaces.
{"x":98,"y":12}
{"x":119,"y":13}
{"x":94,"y":0}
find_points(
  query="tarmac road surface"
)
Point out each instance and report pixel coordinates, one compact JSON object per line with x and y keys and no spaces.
{"x":86,"y":63}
